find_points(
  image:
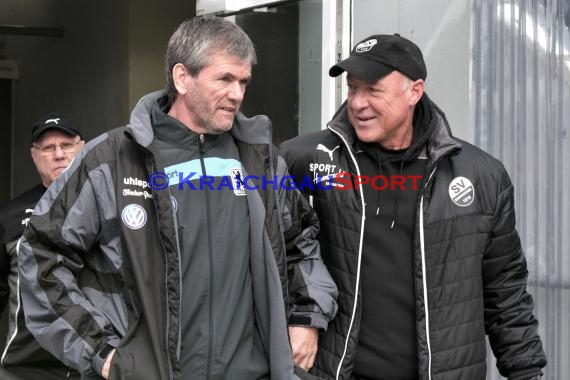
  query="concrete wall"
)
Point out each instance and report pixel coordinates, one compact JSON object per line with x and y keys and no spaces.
{"x":83,"y":74}
{"x":310,"y":65}
{"x":150,"y":26}
{"x":442,"y":30}
{"x":111,"y":54}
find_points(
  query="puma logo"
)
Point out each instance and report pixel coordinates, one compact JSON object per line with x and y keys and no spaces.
{"x":56,"y":120}
{"x":325,"y":149}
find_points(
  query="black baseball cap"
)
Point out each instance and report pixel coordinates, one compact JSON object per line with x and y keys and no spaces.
{"x":55,"y":120}
{"x":379,"y":55}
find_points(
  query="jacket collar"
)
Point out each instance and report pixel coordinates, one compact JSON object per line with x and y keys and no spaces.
{"x":255,"y":130}
{"x":440,"y":142}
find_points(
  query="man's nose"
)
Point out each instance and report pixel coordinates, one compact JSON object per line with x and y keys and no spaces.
{"x":358,"y":100}
{"x":236,"y":91}
{"x":59,"y":152}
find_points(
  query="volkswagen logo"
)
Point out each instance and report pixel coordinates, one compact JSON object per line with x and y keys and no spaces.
{"x":134,"y":216}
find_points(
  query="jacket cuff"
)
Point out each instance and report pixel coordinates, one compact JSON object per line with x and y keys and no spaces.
{"x":309,"y":320}
{"x":100,"y":357}
{"x":526,"y":374}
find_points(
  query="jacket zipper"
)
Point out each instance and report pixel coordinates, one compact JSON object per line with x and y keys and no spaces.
{"x":269,"y":168}
{"x":363,"y":217}
{"x":150,"y":153}
{"x":424,"y":274}
{"x":170,"y":369}
{"x":211,"y":298}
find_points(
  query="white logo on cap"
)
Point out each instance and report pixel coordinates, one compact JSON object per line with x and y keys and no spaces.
{"x":56,"y":120}
{"x":461,"y":191}
{"x":366,"y":45}
{"x":134,"y":216}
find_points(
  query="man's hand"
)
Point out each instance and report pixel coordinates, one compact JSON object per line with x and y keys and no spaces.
{"x":304,"y":345}
{"x":107,"y":365}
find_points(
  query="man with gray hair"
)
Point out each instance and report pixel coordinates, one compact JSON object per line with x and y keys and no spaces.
{"x":147,"y":260}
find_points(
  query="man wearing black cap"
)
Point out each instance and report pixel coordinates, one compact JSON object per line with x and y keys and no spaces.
{"x":55,"y":141}
{"x":417,"y":230}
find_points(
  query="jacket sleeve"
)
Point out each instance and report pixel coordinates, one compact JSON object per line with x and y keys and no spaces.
{"x":509,"y":319}
{"x":61,"y":295}
{"x":312,"y":292}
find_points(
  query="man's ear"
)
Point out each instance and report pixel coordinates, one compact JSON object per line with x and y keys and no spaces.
{"x":416,"y":91}
{"x":179,"y":76}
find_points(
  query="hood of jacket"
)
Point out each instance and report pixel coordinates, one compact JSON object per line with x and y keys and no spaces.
{"x":432,"y":133}
{"x":254,"y":130}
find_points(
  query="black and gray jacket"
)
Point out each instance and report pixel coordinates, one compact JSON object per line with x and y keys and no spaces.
{"x":101,"y":263}
{"x":469,"y":268}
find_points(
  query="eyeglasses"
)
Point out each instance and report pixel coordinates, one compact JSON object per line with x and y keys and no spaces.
{"x":66,"y":147}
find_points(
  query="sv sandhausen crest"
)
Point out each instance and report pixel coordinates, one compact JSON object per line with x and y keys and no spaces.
{"x":461,"y":191}
{"x":134,"y":216}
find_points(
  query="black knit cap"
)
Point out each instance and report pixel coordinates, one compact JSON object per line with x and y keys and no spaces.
{"x":379,"y":55}
{"x":55,"y":120}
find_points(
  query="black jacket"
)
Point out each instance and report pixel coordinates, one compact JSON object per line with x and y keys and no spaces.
{"x":470,"y":271}
{"x":100,"y":261}
{"x":21,"y":348}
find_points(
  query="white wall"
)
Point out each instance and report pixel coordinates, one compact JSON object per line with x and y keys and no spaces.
{"x":310,"y":66}
{"x":441,"y":28}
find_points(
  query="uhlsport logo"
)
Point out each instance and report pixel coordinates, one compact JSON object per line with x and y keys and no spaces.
{"x":366,"y":45}
{"x":134,"y":216}
{"x":461,"y":191}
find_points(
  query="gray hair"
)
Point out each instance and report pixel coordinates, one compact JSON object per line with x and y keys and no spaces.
{"x":196,"y":39}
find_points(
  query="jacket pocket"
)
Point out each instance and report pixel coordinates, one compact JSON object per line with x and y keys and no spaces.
{"x":137,"y":358}
{"x":304,"y":375}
